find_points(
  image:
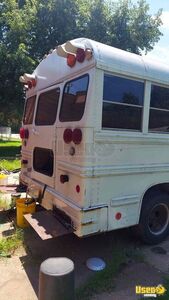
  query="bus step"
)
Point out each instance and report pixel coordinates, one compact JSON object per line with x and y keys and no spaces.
{"x":46,"y":225}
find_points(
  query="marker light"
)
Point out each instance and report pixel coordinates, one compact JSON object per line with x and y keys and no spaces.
{"x":88,"y":53}
{"x":78,"y":189}
{"x":71,"y":60}
{"x":80,"y":55}
{"x":77,"y":136}
{"x":28,"y":79}
{"x":118,"y":216}
{"x":67,"y":135}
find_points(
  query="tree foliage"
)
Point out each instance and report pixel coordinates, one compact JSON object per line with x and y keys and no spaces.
{"x":30,"y":28}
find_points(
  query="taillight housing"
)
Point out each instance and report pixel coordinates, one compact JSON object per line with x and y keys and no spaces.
{"x":74,"y":136}
{"x":67,"y":135}
{"x":77,"y":136}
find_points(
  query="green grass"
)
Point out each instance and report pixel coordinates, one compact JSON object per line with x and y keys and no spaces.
{"x":10,"y":165}
{"x":9,"y":148}
{"x":8,"y":245}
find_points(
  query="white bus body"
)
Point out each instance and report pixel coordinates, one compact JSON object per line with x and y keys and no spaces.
{"x":116,"y":174}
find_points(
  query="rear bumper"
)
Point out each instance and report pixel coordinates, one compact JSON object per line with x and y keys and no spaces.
{"x":84,"y":220}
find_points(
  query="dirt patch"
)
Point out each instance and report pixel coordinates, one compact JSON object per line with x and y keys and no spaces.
{"x":20,"y":273}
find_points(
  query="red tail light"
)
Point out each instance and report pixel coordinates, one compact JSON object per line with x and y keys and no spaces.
{"x":80,"y":55}
{"x":71,"y":60}
{"x":67,"y":135}
{"x":77,"y":136}
{"x":22,"y":133}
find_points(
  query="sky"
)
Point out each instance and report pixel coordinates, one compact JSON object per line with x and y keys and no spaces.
{"x":161,"y":49}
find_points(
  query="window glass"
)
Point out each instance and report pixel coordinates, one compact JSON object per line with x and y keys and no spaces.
{"x":47,"y":107}
{"x":121,"y":116}
{"x":29,"y":110}
{"x":74,"y":99}
{"x":123,"y":90}
{"x":43,"y":161}
{"x":159,"y":109}
{"x":122,"y":103}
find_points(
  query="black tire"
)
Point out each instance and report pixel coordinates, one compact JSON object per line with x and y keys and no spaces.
{"x":154,"y":219}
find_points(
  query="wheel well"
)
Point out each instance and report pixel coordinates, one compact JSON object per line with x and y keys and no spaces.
{"x":158,"y":188}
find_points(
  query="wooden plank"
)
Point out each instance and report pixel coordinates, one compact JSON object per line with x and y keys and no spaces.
{"x":46,"y":225}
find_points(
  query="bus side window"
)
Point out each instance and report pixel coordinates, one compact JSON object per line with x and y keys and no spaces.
{"x":159,"y":109}
{"x":122,"y":103}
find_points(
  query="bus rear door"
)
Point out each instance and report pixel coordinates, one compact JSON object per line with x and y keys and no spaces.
{"x":44,"y":137}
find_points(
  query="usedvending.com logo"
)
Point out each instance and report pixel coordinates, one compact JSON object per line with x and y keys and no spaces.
{"x":150,"y":291}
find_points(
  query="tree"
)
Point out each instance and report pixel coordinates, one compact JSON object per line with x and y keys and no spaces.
{"x":14,"y":58}
{"x":132,"y":28}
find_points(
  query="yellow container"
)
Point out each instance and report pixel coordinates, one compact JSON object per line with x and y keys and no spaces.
{"x":3,"y":179}
{"x":24,"y":206}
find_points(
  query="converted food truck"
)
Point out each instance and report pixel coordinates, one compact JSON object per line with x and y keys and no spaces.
{"x":95,"y":142}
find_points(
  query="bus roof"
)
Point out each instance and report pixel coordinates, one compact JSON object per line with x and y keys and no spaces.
{"x":54,"y":68}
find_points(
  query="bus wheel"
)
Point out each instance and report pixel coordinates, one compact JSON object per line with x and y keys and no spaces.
{"x":154,"y":219}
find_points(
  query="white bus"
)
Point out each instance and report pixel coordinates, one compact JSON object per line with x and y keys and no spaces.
{"x":95,"y":141}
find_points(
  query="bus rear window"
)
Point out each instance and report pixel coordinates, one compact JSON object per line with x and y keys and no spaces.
{"x":74,"y":99}
{"x":29,"y":110}
{"x":47,"y":107}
